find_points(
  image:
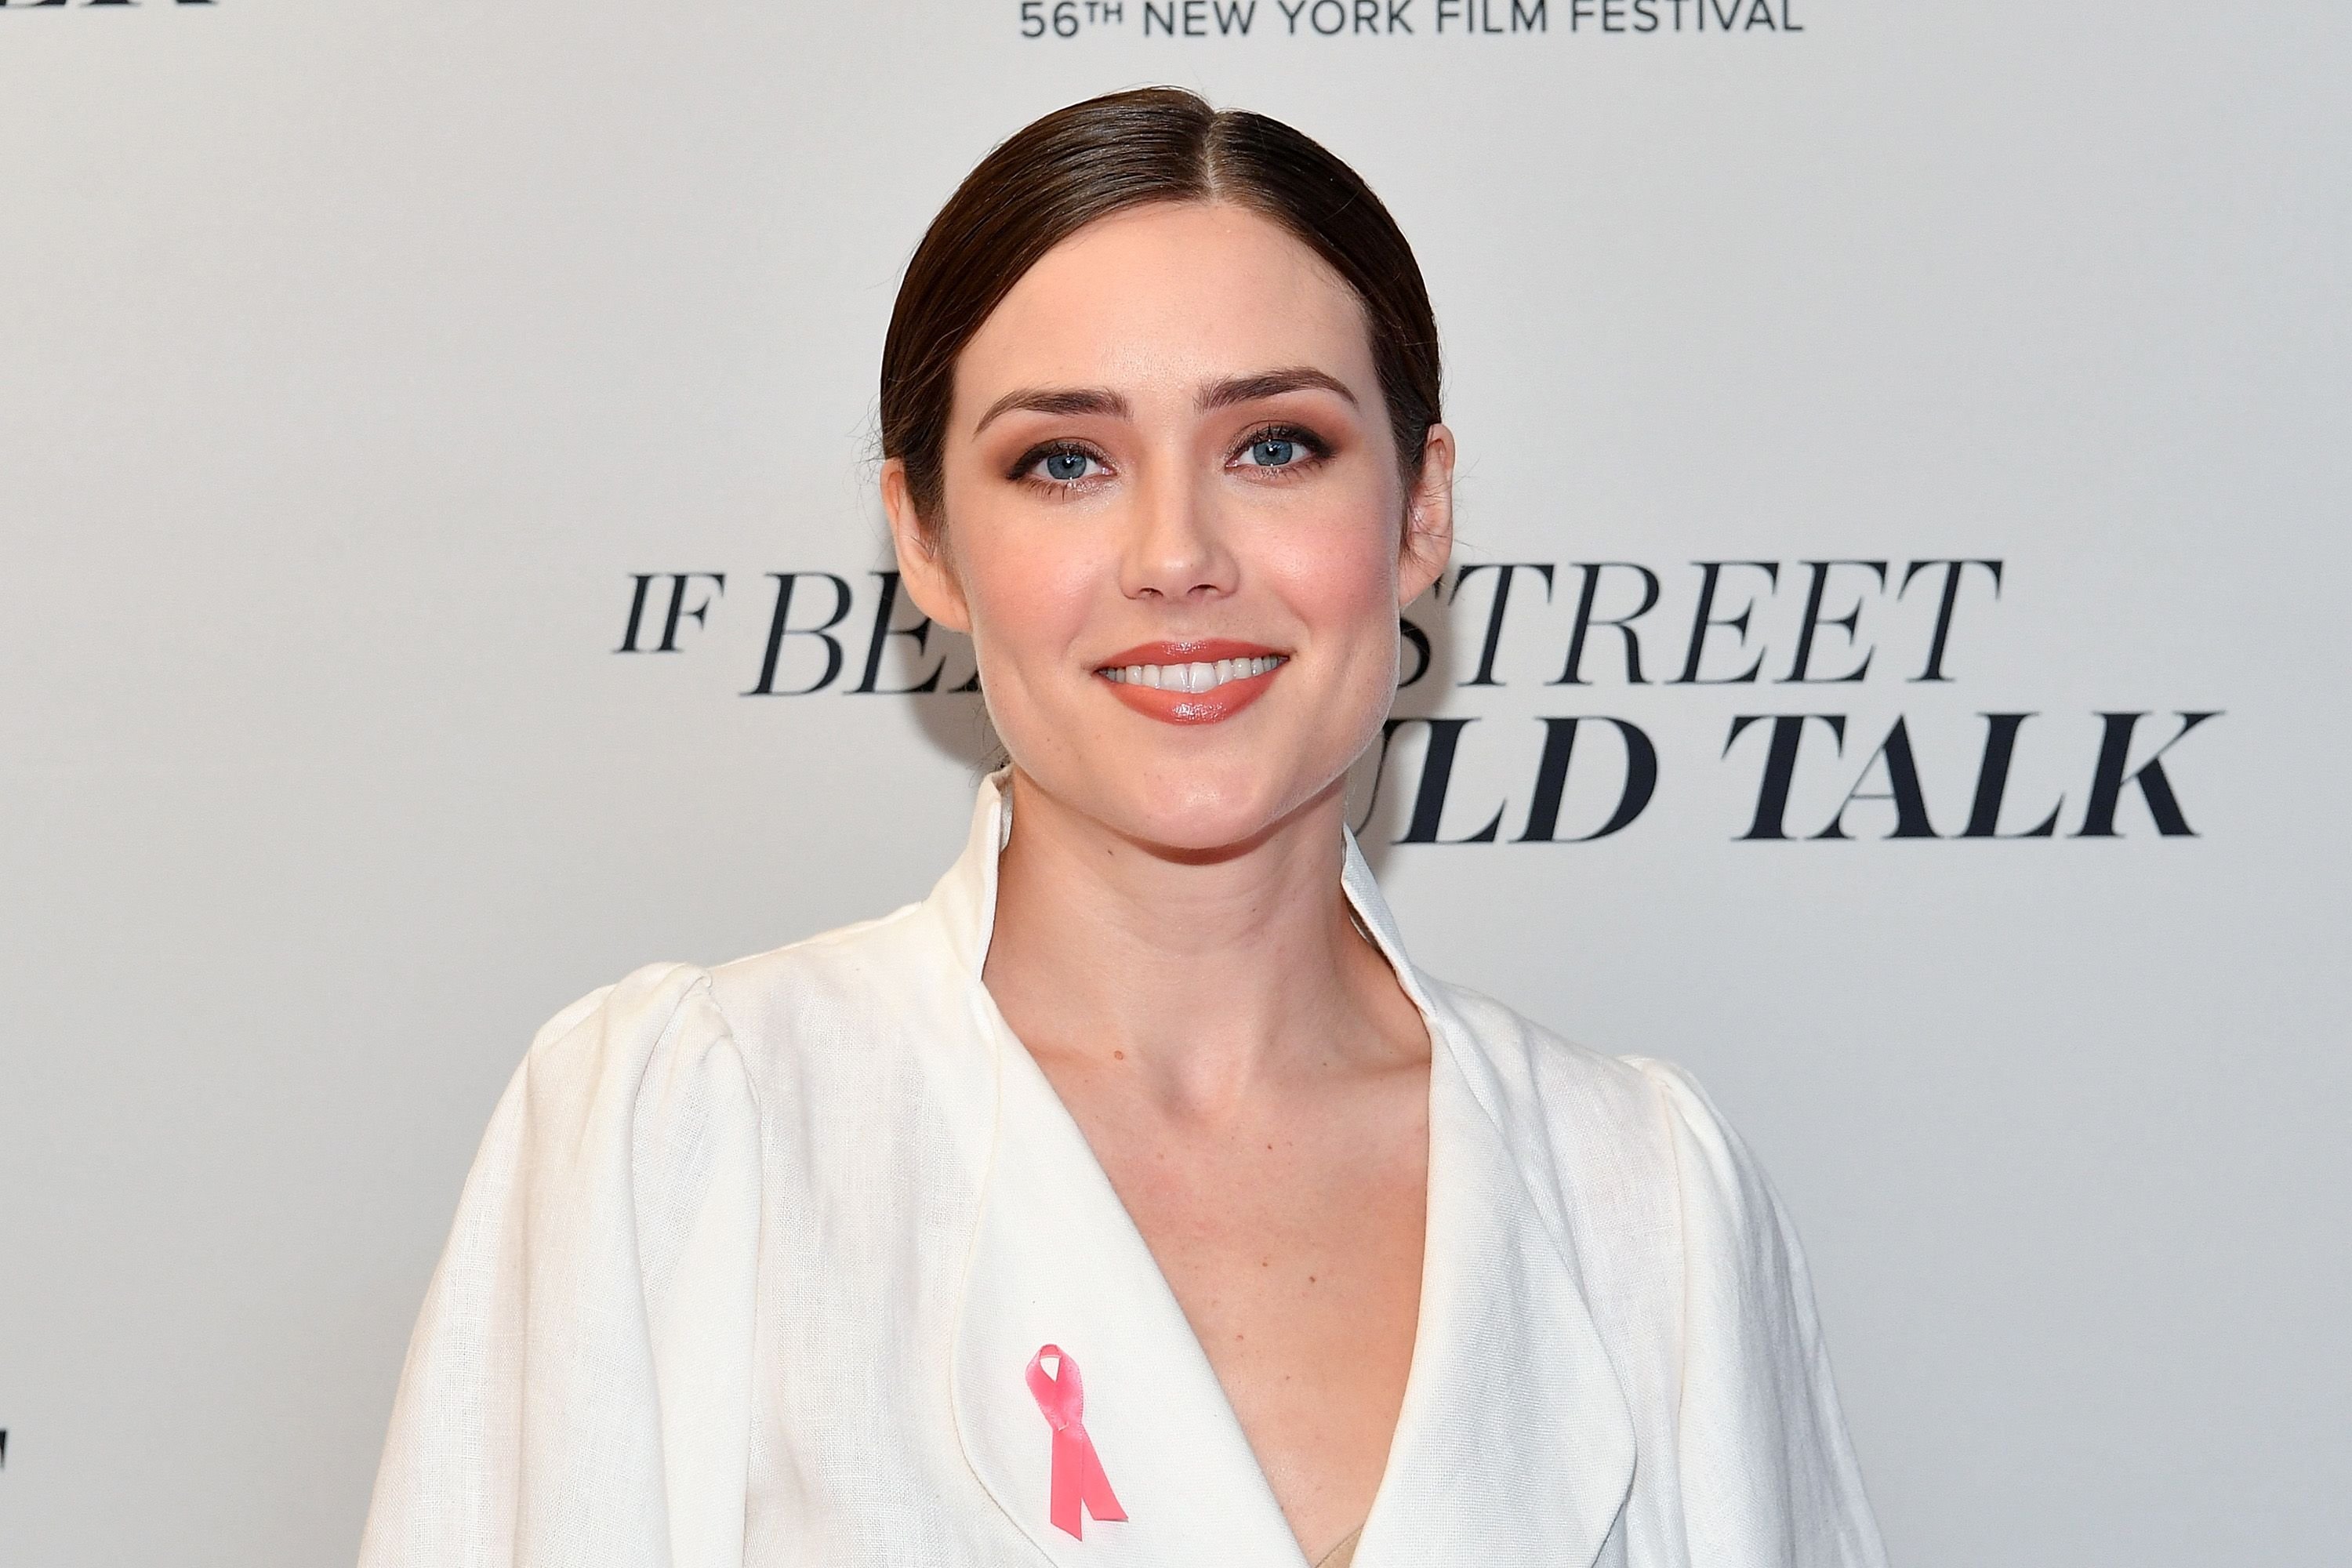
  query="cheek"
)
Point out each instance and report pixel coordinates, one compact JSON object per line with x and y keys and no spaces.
{"x":1341,"y":576}
{"x":1028,"y":590}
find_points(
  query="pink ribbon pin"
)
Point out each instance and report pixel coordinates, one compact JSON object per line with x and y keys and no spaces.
{"x":1078,"y":1478}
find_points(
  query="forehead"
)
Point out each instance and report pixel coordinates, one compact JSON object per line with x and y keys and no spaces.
{"x":1169,"y":295}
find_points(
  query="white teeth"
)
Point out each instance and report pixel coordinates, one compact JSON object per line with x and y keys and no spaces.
{"x":1190,"y":679}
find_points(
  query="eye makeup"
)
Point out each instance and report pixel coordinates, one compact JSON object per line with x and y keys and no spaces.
{"x":1025,"y":467}
{"x":1313,"y":450}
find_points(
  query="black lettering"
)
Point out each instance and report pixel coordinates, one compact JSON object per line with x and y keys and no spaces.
{"x":636,"y":600}
{"x":1814,"y":621}
{"x":779,"y":628}
{"x":1586,"y":621}
{"x":677,"y":582}
{"x":1504,"y":571}
{"x":1779,"y":765}
{"x":677,"y":612}
{"x":1951,"y":597}
{"x":1419,"y":641}
{"x":2108,"y":779}
{"x":1551,"y":782}
{"x":920,"y":634}
{"x":1902,"y":789}
{"x":1993,"y":782}
{"x":1436,"y":778}
{"x":1704,"y":621}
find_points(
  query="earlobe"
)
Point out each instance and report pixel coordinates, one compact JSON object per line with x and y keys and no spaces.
{"x":924,"y":571}
{"x":1428,"y":541}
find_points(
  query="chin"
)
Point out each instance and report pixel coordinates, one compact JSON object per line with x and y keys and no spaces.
{"x":1206,"y":810}
{"x":1200,"y":792}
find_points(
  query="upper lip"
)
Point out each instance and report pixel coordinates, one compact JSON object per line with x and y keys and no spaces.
{"x":1187,"y":650}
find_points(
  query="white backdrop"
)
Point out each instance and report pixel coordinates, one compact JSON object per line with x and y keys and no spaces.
{"x":356,"y":358}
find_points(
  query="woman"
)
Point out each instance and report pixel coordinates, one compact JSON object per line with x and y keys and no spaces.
{"x":1132,"y":1198}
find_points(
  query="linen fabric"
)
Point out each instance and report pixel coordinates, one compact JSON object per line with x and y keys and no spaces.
{"x":753,"y":1260}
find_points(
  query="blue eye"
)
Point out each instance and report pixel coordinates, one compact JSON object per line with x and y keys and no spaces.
{"x":1273,"y":451}
{"x":1067,"y":466}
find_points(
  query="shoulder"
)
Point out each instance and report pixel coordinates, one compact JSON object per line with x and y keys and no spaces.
{"x":1627,"y":1144}
{"x":651,"y":1049}
{"x":840,"y":983}
{"x":1707,"y":1148}
{"x":686,"y":1028}
{"x":1732,"y":1218}
{"x":1647,"y":1098}
{"x":1541,"y":1075}
{"x":1664,"y":1202}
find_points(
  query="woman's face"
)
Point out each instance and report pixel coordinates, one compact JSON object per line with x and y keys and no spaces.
{"x":1175,"y":525}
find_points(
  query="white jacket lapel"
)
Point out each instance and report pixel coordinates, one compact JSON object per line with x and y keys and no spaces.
{"x":1057,"y":1260}
{"x":1514,"y":1445}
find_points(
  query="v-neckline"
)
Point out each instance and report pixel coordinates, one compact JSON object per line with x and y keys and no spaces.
{"x":1332,"y":1558}
{"x":1056,"y":1258}
{"x":1007,"y":1040}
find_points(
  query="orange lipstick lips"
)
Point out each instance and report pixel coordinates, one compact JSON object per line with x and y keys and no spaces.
{"x":1191,"y":682}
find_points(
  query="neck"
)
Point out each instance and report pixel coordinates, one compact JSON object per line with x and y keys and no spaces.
{"x":1216,"y":978}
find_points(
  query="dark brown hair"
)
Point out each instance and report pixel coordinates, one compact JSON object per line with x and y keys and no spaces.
{"x":1090,"y":160}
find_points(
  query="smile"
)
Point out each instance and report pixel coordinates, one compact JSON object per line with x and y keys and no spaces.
{"x":1191,"y":683}
{"x":1198,"y":675}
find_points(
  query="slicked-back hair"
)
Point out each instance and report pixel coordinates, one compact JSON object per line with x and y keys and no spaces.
{"x":1126,"y":150}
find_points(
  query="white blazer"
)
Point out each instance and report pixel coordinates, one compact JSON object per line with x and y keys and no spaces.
{"x":754,"y":1262}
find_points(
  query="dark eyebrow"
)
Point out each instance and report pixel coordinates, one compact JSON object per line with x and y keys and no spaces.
{"x":1270,"y":383}
{"x":1058,"y":400}
{"x":1217,"y":395}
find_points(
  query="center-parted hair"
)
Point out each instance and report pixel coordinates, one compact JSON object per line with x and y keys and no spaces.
{"x":1125,"y":150}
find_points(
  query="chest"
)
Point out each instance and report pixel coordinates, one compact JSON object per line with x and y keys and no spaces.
{"x":920,"y":1247}
{"x":1294,"y":1246}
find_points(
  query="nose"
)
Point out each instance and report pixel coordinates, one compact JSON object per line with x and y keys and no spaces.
{"x":1176,"y":549}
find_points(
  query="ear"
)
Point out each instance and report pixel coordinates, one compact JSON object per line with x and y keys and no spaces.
{"x":1428,"y":542}
{"x":924,"y":571}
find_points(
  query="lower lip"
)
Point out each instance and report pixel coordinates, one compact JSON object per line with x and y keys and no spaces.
{"x":1213,"y":706}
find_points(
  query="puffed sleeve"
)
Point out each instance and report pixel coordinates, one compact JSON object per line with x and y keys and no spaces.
{"x":1768,"y":1474}
{"x":578,"y":1388}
